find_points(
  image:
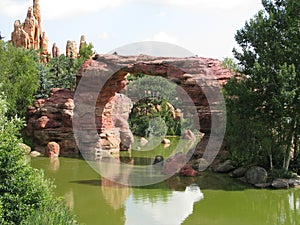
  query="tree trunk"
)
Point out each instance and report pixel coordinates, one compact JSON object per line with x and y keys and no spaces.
{"x":289,"y":147}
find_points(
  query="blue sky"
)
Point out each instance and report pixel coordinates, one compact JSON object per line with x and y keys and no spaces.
{"x":204,"y":27}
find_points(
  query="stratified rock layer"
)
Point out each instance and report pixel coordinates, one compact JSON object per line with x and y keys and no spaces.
{"x":51,"y":120}
{"x":101,"y":106}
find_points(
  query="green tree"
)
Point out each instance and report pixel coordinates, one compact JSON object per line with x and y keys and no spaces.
{"x":263,"y":104}
{"x":19,"y":75}
{"x":23,"y":190}
{"x":61,"y":71}
{"x":85,"y":53}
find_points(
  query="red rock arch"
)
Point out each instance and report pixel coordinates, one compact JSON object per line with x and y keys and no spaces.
{"x":52,"y":119}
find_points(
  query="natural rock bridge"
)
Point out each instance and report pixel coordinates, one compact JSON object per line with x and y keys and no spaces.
{"x":101,"y":109}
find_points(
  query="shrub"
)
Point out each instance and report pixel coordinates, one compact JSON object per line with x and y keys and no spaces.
{"x":23,"y":190}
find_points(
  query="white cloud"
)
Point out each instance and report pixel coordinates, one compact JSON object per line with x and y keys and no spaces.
{"x":58,"y":9}
{"x":205,"y":4}
{"x":162,"y":14}
{"x":103,"y":36}
{"x":14,"y":9}
{"x":64,"y":9}
{"x":163,"y":37}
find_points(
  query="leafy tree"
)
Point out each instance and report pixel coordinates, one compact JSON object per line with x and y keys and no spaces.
{"x":154,"y":117}
{"x":61,"y":72}
{"x":23,"y":190}
{"x":19,"y":77}
{"x":85,"y":53}
{"x":263,"y":104}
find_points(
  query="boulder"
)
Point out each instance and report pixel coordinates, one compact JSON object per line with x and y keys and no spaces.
{"x":280,"y":183}
{"x":294,"y":182}
{"x":173,"y":164}
{"x":187,"y":171}
{"x":35,"y":154}
{"x":239,"y":172}
{"x":263,"y":185}
{"x":188,"y":135}
{"x":166,"y":141}
{"x":224,"y":167}
{"x":199,"y":163}
{"x":52,"y":149}
{"x":158,"y":159}
{"x":25,"y":148}
{"x":256,"y":175}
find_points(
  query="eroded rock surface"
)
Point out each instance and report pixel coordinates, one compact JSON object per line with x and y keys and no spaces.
{"x":51,"y":120}
{"x":100,"y":82}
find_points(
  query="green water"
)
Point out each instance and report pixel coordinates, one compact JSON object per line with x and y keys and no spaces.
{"x":210,"y":199}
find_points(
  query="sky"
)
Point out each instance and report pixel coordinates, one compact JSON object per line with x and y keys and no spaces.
{"x":204,"y":27}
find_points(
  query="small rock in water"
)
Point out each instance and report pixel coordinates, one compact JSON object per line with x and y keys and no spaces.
{"x":280,"y":183}
{"x":263,"y":185}
{"x":165,"y":141}
{"x":35,"y":154}
{"x":158,"y":159}
{"x":188,"y":171}
{"x":143,"y":141}
{"x":52,"y":149}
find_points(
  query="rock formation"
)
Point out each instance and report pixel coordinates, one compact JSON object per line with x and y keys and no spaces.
{"x":52,"y":149}
{"x":19,"y":37}
{"x":37,"y":14}
{"x":82,"y":42}
{"x":71,"y":49}
{"x":55,"y":51}
{"x":31,"y":27}
{"x":44,"y":47}
{"x":29,"y":34}
{"x":51,"y":120}
{"x":102,"y":116}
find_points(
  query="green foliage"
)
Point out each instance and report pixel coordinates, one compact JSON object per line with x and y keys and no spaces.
{"x":153,"y":117}
{"x":142,"y":85}
{"x":263,"y":104}
{"x":153,"y":113}
{"x":23,"y":190}
{"x":55,"y":212}
{"x":85,"y":53}
{"x":229,"y":63}
{"x":19,"y":77}
{"x":61,"y":72}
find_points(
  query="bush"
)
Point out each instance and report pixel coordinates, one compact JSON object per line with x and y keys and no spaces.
{"x":153,"y":117}
{"x":55,"y":212}
{"x":19,"y":77}
{"x":23,"y":190}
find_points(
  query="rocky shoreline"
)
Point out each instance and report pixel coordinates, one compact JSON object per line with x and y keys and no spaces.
{"x":256,"y":176}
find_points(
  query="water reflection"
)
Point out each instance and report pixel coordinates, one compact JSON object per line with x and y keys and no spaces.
{"x":172,"y":210}
{"x":96,"y":200}
{"x":115,"y":194}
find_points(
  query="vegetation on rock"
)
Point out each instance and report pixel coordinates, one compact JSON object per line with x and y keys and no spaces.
{"x":153,"y":113}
